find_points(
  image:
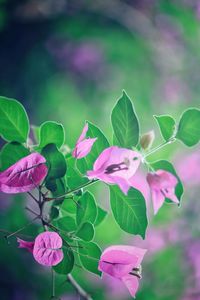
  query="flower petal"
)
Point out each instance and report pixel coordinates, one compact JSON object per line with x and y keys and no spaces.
{"x":83,"y":134}
{"x":118,"y":261}
{"x":135,"y":251}
{"x":83,"y":148}
{"x":158,"y":199}
{"x":24,"y":175}
{"x":161,"y":180}
{"x":47,"y":250}
{"x":167,"y":179}
{"x":116,"y":270}
{"x":162,"y":185}
{"x":132,"y":284}
{"x":171,"y":195}
{"x":101,"y":161}
{"x":122,"y":183}
{"x":24,"y":244}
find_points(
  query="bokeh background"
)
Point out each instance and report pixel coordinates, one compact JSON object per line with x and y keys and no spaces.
{"x":68,"y":61}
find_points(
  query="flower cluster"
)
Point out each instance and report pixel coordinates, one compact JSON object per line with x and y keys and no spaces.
{"x":114,"y":165}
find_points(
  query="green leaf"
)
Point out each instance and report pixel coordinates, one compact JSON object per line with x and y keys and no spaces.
{"x":58,"y":187}
{"x":68,"y":207}
{"x":11,"y":153}
{"x":101,"y":143}
{"x":56,"y":162}
{"x":74,"y":177}
{"x":54,"y":213}
{"x":87,"y":209}
{"x":166,"y":125}
{"x":167,"y":166}
{"x":66,"y":224}
{"x":89,"y":254}
{"x":125,"y":122}
{"x":129,"y":211}
{"x":101,"y":214}
{"x":14,"y":123}
{"x":66,"y":265}
{"x":189,"y":127}
{"x":86,"y":231}
{"x":51,"y":133}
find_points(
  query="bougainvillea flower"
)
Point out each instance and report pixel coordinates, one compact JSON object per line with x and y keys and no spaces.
{"x":116,"y":166}
{"x":27,"y":245}
{"x":47,"y":249}
{"x":162,"y":185}
{"x":24,"y":175}
{"x":83,"y":145}
{"x":124,"y":263}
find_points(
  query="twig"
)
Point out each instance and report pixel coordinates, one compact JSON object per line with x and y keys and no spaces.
{"x":38,"y":188}
{"x":32,"y":197}
{"x":9,"y":232}
{"x":30,"y":210}
{"x":73,"y":190}
{"x":81,"y":292}
{"x":22,"y":228}
{"x":53,"y":283}
{"x":159,"y":147}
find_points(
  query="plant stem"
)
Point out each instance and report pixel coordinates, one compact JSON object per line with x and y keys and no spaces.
{"x":9,"y":232}
{"x":41,"y":202}
{"x":22,"y":228}
{"x":72,"y":191}
{"x":82,"y":293}
{"x":53,"y":282}
{"x":159,"y":147}
{"x":33,"y":212}
{"x":32,"y":197}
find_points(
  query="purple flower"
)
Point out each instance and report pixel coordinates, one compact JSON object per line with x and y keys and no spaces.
{"x":46,"y":248}
{"x":24,"y":175}
{"x":162,"y":185}
{"x":83,"y":145}
{"x":124,"y":263}
{"x":116,"y":166}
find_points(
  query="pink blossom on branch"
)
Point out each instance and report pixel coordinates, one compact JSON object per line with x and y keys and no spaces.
{"x":24,"y":244}
{"x":124,"y":263}
{"x":46,"y":248}
{"x":24,"y":175}
{"x":162,"y":185}
{"x":116,"y":166}
{"x":83,"y":144}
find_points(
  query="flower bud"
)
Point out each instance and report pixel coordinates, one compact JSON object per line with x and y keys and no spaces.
{"x":147,"y":140}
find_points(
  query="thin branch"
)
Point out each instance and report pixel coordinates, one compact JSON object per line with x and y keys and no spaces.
{"x":76,"y":202}
{"x":53,"y":282}
{"x":33,"y":197}
{"x":159,"y":147}
{"x":33,"y":212}
{"x":36,"y":186}
{"x":9,"y":232}
{"x":81,"y":292}
{"x":22,"y":228}
{"x":72,"y":191}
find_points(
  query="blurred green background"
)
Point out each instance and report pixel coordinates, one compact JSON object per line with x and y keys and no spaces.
{"x":68,"y":61}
